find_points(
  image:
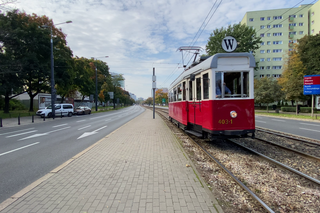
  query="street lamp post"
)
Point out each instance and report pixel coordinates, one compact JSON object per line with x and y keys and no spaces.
{"x":96,"y":98}
{"x":53,"y":91}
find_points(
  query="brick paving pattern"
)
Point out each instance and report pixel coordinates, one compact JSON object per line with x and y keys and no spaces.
{"x":138,"y":168}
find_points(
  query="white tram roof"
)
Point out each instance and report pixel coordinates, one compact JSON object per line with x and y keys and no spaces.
{"x":212,"y":62}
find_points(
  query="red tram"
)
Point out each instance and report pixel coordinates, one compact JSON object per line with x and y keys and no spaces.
{"x":214,"y":99}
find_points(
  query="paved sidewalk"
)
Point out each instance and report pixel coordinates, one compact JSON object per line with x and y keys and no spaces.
{"x":138,"y":168}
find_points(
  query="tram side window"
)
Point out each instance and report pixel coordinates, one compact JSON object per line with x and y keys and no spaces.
{"x":232,"y":84}
{"x":198,"y":81}
{"x":205,"y":83}
{"x":179,"y":92}
{"x":184,"y":91}
{"x":175,"y":94}
{"x":190,"y":91}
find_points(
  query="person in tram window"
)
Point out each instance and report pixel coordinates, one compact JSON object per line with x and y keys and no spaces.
{"x":218,"y":88}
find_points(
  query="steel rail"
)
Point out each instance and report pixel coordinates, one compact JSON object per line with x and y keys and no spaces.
{"x":279,"y":164}
{"x":293,"y":150}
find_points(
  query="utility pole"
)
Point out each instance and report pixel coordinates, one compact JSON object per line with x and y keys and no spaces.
{"x":154,"y":91}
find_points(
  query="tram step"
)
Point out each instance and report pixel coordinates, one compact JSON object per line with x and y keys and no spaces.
{"x":194,"y":133}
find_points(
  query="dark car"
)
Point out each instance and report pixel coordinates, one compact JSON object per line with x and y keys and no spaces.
{"x":82,"y":110}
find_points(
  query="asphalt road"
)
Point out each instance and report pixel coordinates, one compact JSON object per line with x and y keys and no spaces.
{"x":29,"y":152}
{"x":303,"y":128}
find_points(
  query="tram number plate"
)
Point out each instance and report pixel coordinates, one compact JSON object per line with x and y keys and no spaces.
{"x":225,"y":121}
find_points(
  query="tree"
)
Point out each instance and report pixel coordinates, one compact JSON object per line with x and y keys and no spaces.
{"x":267,"y":90}
{"x":161,"y":95}
{"x":116,"y":82}
{"x":309,"y":53}
{"x":245,"y":36}
{"x":291,"y":79}
{"x":149,"y":101}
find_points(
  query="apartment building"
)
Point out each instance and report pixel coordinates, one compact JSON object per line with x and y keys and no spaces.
{"x":279,"y":29}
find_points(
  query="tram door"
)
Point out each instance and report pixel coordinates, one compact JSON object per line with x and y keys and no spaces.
{"x":194,"y":104}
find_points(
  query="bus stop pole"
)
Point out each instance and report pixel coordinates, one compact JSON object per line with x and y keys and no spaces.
{"x":154,"y":91}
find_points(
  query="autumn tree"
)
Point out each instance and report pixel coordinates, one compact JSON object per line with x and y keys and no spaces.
{"x":149,"y":101}
{"x":266,"y":91}
{"x":291,"y":79}
{"x":160,"y":95}
{"x":246,"y":37}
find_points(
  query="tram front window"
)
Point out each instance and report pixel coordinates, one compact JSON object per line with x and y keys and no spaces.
{"x":232,"y":84}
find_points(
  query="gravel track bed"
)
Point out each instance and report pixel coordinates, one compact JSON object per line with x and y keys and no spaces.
{"x":290,"y":143}
{"x":280,"y":189}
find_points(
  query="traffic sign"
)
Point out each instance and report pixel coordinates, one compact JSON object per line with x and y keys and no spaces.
{"x":229,"y":44}
{"x":311,"y":85}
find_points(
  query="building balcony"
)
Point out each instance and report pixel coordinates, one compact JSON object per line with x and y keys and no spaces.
{"x":291,"y":19}
{"x":291,"y":36}
{"x":291,"y":27}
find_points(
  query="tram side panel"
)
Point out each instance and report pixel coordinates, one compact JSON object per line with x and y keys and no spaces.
{"x":177,"y":111}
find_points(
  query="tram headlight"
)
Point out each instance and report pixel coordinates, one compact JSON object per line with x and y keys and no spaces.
{"x":233,"y":114}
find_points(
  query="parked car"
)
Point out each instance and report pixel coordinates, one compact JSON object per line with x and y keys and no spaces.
{"x":60,"y":109}
{"x":82,"y":110}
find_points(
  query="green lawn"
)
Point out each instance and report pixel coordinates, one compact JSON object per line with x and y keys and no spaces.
{"x":293,"y":116}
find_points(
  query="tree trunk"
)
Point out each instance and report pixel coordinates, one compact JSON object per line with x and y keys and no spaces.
{"x":6,"y":102}
{"x":31,"y":103}
{"x":267,"y":108}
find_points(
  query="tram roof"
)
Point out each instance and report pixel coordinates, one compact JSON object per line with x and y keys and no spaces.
{"x":212,"y":62}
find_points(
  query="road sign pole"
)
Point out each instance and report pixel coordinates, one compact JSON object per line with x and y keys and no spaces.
{"x":154,"y":91}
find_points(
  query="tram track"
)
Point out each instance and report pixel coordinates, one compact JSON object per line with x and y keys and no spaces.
{"x":280,"y":189}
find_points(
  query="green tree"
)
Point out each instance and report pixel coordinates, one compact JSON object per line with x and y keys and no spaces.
{"x":291,"y":79}
{"x":266,"y":91}
{"x":149,"y":101}
{"x":309,"y":53}
{"x":246,"y":37}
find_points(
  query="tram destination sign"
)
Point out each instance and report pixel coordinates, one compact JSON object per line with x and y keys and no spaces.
{"x":311,"y":85}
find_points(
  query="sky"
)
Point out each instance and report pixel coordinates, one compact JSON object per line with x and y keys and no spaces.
{"x":139,"y":35}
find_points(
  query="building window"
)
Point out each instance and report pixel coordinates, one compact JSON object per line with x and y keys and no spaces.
{"x":293,"y":33}
{"x":261,"y":59}
{"x":268,"y":18}
{"x":300,"y":24}
{"x":268,"y":26}
{"x":262,"y":43}
{"x":262,"y":27}
{"x":277,"y":34}
{"x":268,"y":75}
{"x":277,"y":50}
{"x":268,"y":34}
{"x":261,"y":76}
{"x":277,"y":17}
{"x":250,"y":19}
{"x":300,"y":32}
{"x":268,"y":51}
{"x":312,"y":31}
{"x":277,"y":42}
{"x":301,"y":16}
{"x":277,"y":67}
{"x":268,"y":67}
{"x":293,"y":24}
{"x":277,"y":25}
{"x":276,"y":75}
{"x":312,"y":22}
{"x":268,"y":59}
{"x":268,"y":42}
{"x":262,"y":35}
{"x":277,"y":59}
{"x":312,"y":13}
{"x":262,"y":68}
{"x":294,"y":16}
{"x":290,"y":50}
{"x":261,"y":18}
{"x":261,"y":51}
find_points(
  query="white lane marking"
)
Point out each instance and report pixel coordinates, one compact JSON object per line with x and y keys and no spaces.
{"x":18,"y":148}
{"x":59,"y":125}
{"x":278,"y":120}
{"x":23,"y":133}
{"x":7,"y":133}
{"x":90,"y":133}
{"x":84,"y":127}
{"x":81,"y":120}
{"x":310,"y":130}
{"x":310,"y":124}
{"x":106,"y":115}
{"x":261,"y":121}
{"x":42,"y":134}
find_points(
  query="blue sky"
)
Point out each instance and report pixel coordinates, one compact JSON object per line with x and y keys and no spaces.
{"x":138,"y":35}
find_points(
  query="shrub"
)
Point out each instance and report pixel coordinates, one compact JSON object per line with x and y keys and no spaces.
{"x":16,"y":105}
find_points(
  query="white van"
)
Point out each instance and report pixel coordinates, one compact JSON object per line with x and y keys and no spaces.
{"x":65,"y":109}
